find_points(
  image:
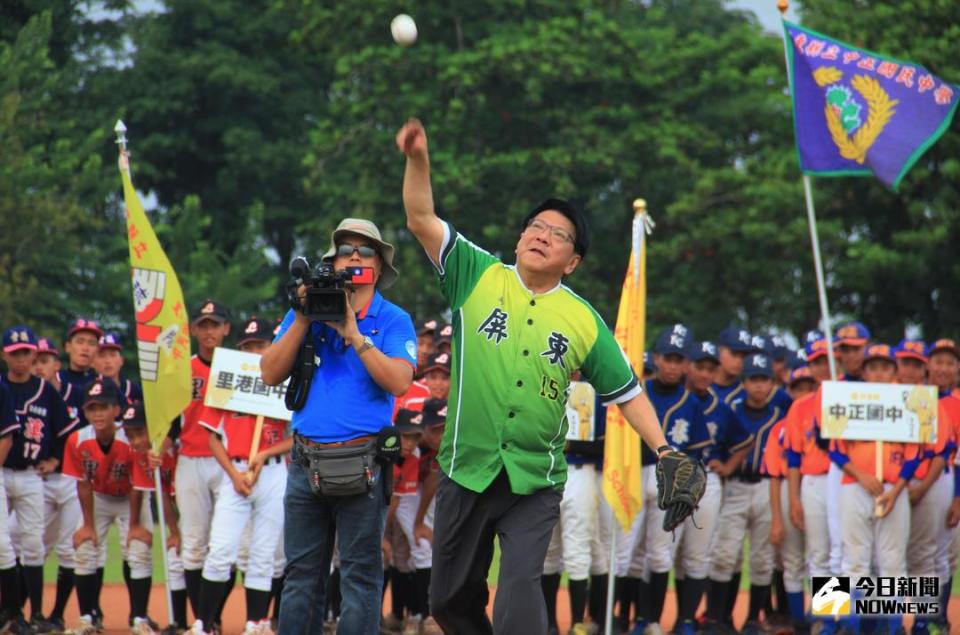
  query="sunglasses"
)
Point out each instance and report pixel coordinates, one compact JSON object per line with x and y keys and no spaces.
{"x":346,"y":251}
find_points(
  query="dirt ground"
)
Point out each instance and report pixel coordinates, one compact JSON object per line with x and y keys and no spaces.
{"x":116,"y":606}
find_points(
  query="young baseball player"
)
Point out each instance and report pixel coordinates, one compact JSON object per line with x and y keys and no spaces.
{"x":911,"y":362}
{"x":681,"y":417}
{"x":109,"y":362}
{"x":875,"y":511}
{"x":9,"y":591}
{"x":101,"y":458}
{"x":426,"y":339}
{"x":746,"y":501}
{"x":254,"y":493}
{"x":851,"y":341}
{"x":434,"y":423}
{"x":734,"y":344}
{"x":198,"y":475}
{"x":786,"y":538}
{"x":729,"y":444}
{"x":46,"y":364}
{"x":436,"y":375}
{"x":43,"y":422}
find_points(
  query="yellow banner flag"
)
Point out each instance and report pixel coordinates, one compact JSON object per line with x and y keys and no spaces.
{"x":163,"y":338}
{"x":621,"y":448}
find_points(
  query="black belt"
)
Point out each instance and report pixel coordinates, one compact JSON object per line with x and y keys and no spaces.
{"x":273,"y":459}
{"x":749,"y":478}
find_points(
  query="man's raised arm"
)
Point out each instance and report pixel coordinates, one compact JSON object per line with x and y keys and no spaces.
{"x":422,"y":221}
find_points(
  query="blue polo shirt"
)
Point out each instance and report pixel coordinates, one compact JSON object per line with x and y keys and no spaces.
{"x":344,"y":401}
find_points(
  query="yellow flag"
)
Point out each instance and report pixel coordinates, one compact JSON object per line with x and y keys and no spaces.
{"x":621,"y":449}
{"x":163,"y":339}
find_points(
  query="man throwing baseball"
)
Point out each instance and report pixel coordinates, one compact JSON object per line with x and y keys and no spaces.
{"x":518,"y":336}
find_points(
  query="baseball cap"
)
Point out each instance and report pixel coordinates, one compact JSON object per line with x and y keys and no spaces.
{"x":812,"y":336}
{"x":799,"y":374}
{"x":814,"y":350}
{"x":778,"y":348}
{"x":133,"y":415}
{"x":647,"y":362}
{"x":736,"y":339}
{"x":45,"y":346}
{"x":757,"y":365}
{"x":367,"y":229}
{"x":852,"y":334}
{"x":674,"y":340}
{"x":797,"y":359}
{"x":944,"y":344}
{"x":700,"y":351}
{"x":445,"y":334}
{"x":209,"y":310}
{"x":101,"y":390}
{"x":914,"y":349}
{"x":255,"y":329}
{"x":760,"y":344}
{"x":83,"y":324}
{"x":581,"y":241}
{"x":879,"y":351}
{"x":434,"y":412}
{"x":430,"y":326}
{"x":111,"y":339}
{"x":437,"y":361}
{"x":18,"y":338}
{"x":408,"y":420}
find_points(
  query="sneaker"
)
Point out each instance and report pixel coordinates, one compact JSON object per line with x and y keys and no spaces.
{"x":197,"y":628}
{"x":141,"y":626}
{"x":250,"y":628}
{"x":85,"y":627}
{"x":653,"y":629}
{"x":47,"y":626}
{"x":581,"y":628}
{"x":685,"y":627}
{"x":411,"y":625}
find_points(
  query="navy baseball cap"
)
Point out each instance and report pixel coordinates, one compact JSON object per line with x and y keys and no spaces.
{"x":445,"y":333}
{"x":408,"y":421}
{"x":46,"y":346}
{"x":437,"y":361}
{"x":812,"y":335}
{"x":674,"y":340}
{"x":101,"y":390}
{"x":255,"y":329}
{"x":434,"y":412}
{"x":133,"y":415}
{"x":757,"y":365}
{"x":852,"y":334}
{"x":915,"y":349}
{"x":879,"y":351}
{"x":778,"y":348}
{"x":802,"y":373}
{"x":209,"y":310}
{"x":111,"y":339}
{"x":19,"y":338}
{"x":648,"y":366}
{"x":736,"y":339}
{"x":797,"y":359}
{"x":760,"y":344}
{"x":700,"y":351}
{"x":83,"y":324}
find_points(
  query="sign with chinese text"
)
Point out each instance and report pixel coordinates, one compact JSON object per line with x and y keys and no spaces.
{"x":236,"y":385}
{"x":581,"y":411}
{"x":879,"y":412}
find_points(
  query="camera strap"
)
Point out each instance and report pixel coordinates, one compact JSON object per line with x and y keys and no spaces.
{"x":302,"y":375}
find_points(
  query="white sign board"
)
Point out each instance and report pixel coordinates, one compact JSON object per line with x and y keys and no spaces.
{"x":879,"y":412}
{"x":235,"y":384}
{"x":581,"y":411}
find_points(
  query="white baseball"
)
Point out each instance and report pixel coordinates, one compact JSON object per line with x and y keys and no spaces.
{"x":403,"y":29}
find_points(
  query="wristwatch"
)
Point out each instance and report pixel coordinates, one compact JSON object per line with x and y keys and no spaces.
{"x":663,"y":449}
{"x":367,"y":345}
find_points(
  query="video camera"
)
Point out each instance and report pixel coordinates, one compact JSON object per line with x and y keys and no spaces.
{"x":326,"y":299}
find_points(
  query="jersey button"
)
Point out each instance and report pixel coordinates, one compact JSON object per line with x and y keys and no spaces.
{"x":525,"y":353}
{"x":512,"y":414}
{"x":519,"y":383}
{"x":503,"y":446}
{"x":533,"y":303}
{"x":529,"y":321}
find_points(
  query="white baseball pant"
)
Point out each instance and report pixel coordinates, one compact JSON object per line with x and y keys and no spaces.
{"x":25,"y":500}
{"x":421,"y":552}
{"x":655,"y":549}
{"x":694,"y":552}
{"x":61,"y":515}
{"x":745,"y":511}
{"x":8,"y":559}
{"x":868,"y":539}
{"x":929,"y":535}
{"x":791,"y":551}
{"x":108,"y":510}
{"x":813,"y":495}
{"x":198,"y":481}
{"x":834,"y":483}
{"x":264,"y":509}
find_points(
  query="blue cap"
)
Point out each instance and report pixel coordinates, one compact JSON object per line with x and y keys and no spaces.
{"x":797,"y":359}
{"x":916,"y":349}
{"x":879,"y":351}
{"x":757,"y":365}
{"x":853,"y":334}
{"x":648,"y":362}
{"x":700,"y":351}
{"x":111,"y":339}
{"x":778,"y":347}
{"x":736,"y":339}
{"x":815,"y":349}
{"x":811,"y":336}
{"x":18,"y":338}
{"x":760,"y":344}
{"x":674,"y":340}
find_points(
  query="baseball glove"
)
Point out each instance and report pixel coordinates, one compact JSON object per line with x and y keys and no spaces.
{"x":681,"y":482}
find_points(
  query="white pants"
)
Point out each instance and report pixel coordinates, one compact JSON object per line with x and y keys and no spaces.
{"x":813,"y":495}
{"x":867,"y":538}
{"x":421,"y":552}
{"x":243,"y":554}
{"x":8,"y":559}
{"x":699,"y":532}
{"x":580,"y":541}
{"x":929,"y":535}
{"x":197,"y":483}
{"x":178,"y":581}
{"x":264,"y":510}
{"x":61,"y":516}
{"x":745,"y":511}
{"x":108,"y":510}
{"x":655,"y":549}
{"x":791,"y":551}
{"x":626,"y":541}
{"x":25,"y":500}
{"x":834,"y":483}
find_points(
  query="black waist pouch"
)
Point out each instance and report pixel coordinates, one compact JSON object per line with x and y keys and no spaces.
{"x":343,"y":470}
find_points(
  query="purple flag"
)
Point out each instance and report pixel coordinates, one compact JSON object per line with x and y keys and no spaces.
{"x":858,"y":113}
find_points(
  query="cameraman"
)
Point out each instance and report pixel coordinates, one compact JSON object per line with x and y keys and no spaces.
{"x":361,"y":364}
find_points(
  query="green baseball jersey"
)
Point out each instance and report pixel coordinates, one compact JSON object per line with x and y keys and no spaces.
{"x":513,"y":353}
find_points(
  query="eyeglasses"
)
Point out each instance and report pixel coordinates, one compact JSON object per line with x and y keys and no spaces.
{"x":346,"y":250}
{"x":559,"y":233}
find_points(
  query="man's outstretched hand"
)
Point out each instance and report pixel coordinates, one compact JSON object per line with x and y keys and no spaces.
{"x":412,"y":139}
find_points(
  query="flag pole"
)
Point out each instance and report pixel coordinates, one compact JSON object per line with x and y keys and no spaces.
{"x":611,"y":575}
{"x":783,"y":5}
{"x":120,"y":130}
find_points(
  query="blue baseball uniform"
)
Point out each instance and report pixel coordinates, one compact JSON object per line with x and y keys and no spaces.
{"x":44,"y":421}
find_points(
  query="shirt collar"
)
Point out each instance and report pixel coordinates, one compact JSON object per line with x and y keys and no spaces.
{"x":373,"y":307}
{"x":520,"y":280}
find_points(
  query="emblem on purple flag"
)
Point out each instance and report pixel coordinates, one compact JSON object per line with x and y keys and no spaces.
{"x":857,"y":113}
